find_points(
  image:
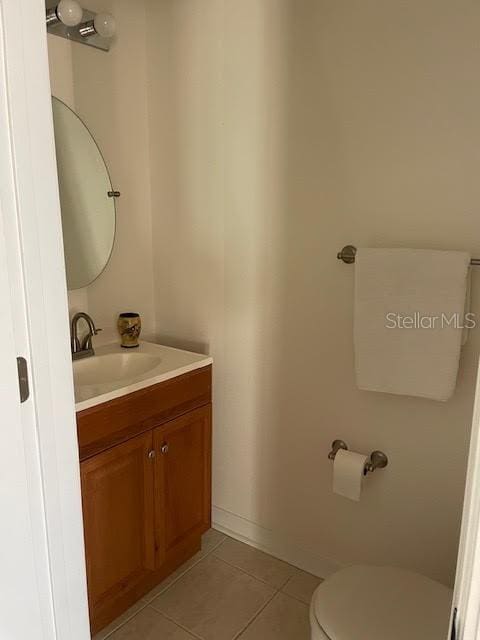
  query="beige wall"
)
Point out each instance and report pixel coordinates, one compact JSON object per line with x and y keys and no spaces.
{"x":280,"y":131}
{"x":109,"y":92}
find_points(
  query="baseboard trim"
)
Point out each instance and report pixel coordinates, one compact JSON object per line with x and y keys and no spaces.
{"x":266,"y":540}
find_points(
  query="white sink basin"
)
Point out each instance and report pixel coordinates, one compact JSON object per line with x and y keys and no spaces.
{"x":113,"y":372}
{"x":112,"y":367}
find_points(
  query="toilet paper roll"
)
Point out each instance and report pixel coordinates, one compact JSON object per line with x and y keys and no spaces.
{"x":348,"y":469}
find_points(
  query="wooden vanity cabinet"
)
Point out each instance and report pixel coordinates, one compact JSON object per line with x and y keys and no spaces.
{"x":147,"y":498}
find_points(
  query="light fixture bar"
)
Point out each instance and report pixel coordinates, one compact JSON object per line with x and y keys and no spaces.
{"x":92,"y":31}
{"x":87,"y":29}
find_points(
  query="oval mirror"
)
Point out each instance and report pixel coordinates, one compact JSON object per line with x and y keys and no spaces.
{"x":88,"y":211}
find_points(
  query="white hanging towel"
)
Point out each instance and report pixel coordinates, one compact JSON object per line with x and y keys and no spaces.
{"x":408,"y":319}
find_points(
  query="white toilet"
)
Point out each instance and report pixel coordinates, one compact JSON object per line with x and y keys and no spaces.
{"x":380,"y":603}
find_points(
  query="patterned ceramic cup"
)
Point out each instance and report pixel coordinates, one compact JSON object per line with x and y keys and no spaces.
{"x":129,"y":327}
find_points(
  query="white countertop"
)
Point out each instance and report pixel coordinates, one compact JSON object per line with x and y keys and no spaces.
{"x":114,"y":371}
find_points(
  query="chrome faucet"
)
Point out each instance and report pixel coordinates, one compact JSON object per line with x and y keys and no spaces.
{"x":82,"y":349}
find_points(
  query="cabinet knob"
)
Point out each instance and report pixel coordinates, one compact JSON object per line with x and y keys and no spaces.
{"x":164,"y":448}
{"x":151,"y":454}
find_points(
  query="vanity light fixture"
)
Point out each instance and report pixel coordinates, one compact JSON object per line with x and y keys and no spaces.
{"x":68,"y":20}
{"x":68,"y":12}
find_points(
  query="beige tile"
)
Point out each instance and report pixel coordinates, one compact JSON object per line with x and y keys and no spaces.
{"x":282,"y":619}
{"x":301,"y":586}
{"x":101,"y":635}
{"x":150,"y":625}
{"x":213,"y":600}
{"x":258,"y":564}
{"x":173,"y":577}
{"x":210,"y":540}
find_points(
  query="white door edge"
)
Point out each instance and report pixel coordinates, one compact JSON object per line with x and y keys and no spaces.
{"x":36,"y":275}
{"x":467,"y":583}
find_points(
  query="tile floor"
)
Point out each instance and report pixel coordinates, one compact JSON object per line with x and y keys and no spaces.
{"x":227,"y":591}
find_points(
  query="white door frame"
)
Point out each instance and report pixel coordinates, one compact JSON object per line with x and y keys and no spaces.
{"x":35,"y":274}
{"x":467,"y":583}
{"x":35,"y":325}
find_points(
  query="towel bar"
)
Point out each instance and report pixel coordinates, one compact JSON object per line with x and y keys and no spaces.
{"x":347,"y":254}
{"x":378,"y":460}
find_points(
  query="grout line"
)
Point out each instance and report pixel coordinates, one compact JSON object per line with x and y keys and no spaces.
{"x":286,"y":582}
{"x":255,"y":616}
{"x":257,"y":613}
{"x":250,"y":575}
{"x":146,"y":603}
{"x":177,"y":624}
{"x":298,"y":598}
{"x":180,"y":575}
{"x":219,"y":544}
{"x":252,"y":620}
{"x":230,"y":564}
{"x":289,"y":595}
{"x":121,"y":624}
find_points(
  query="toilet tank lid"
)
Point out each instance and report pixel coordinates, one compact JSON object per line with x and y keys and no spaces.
{"x":376,"y":603}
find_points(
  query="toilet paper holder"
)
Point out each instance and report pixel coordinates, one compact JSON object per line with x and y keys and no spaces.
{"x":378,"y":460}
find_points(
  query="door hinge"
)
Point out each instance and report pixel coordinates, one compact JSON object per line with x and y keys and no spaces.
{"x":22,"y":369}
{"x":453,"y":634}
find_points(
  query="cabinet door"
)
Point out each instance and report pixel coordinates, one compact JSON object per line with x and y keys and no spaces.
{"x":118,"y":515}
{"x":182,"y":481}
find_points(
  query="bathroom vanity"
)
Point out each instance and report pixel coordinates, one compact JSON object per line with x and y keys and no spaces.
{"x":143,"y":414}
{"x":144,"y":434}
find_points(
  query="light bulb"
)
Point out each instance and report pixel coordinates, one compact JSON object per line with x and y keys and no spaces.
{"x":69,"y":12}
{"x":104,"y":24}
